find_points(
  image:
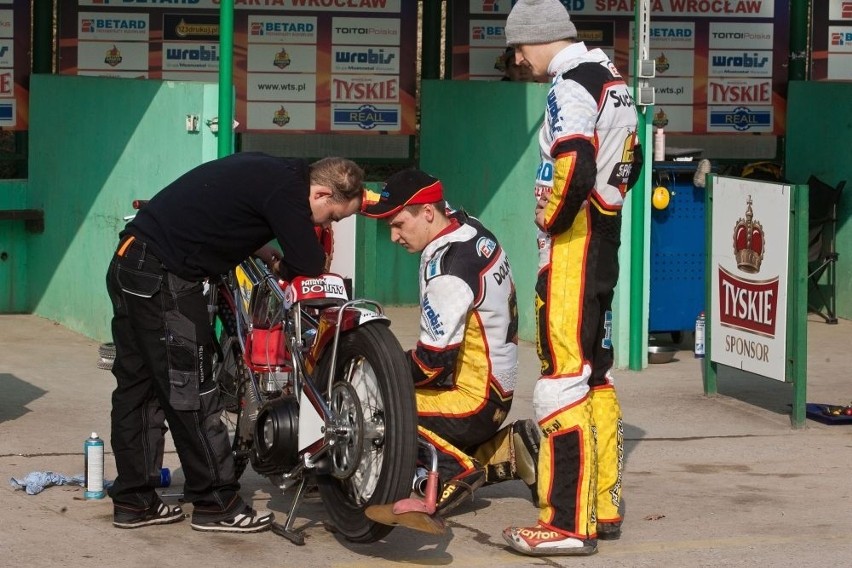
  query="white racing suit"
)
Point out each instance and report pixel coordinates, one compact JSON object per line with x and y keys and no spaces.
{"x":466,"y":363}
{"x":587,"y":142}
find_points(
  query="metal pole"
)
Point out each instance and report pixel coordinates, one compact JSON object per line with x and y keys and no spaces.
{"x":799,"y":52}
{"x":43,"y":41}
{"x":226,"y":78}
{"x":797,"y":302}
{"x":637,"y":195}
{"x":709,"y":367}
{"x":431,"y":59}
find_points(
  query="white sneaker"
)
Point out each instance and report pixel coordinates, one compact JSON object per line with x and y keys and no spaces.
{"x":541,"y":541}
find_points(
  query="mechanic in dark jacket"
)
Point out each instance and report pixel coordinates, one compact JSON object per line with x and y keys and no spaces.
{"x":202,"y":224}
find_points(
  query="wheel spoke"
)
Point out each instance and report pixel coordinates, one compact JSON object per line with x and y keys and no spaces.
{"x":367,"y":465}
{"x":346,"y":430}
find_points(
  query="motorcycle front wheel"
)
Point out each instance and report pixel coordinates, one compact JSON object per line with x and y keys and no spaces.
{"x":374,"y":462}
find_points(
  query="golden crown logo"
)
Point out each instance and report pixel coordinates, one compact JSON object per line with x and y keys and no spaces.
{"x":113,"y":57}
{"x":748,"y":242}
{"x":281,"y":117}
{"x":500,"y":63}
{"x":282,"y":59}
{"x":661,"y":119}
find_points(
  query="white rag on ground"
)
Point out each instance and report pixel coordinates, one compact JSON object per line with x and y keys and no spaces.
{"x":37,"y":481}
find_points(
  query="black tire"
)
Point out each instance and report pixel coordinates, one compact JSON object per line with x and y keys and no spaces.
{"x":376,"y":353}
{"x":231,"y":377}
{"x":106,"y":351}
{"x":228,"y":369}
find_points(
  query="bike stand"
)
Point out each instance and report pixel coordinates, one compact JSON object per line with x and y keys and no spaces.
{"x":286,"y":530}
{"x":413,"y":512}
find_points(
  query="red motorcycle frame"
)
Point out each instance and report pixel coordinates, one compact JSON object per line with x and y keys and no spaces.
{"x":318,"y":389}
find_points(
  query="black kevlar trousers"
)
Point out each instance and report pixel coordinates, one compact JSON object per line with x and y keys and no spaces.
{"x":164,"y":346}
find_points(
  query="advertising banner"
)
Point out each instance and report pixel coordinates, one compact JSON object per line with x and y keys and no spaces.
{"x":750,"y":243}
{"x":299,"y":65}
{"x":721,"y":65}
{"x":15,"y":54}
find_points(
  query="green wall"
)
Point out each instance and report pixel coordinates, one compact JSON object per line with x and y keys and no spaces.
{"x":478,"y":137}
{"x":384,"y":271}
{"x":96,"y":144}
{"x":13,"y":249}
{"x":103,"y":142}
{"x":818,"y":143}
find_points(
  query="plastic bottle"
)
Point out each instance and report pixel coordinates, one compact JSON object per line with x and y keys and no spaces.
{"x":659,"y":145}
{"x":700,"y":323}
{"x":164,"y":479}
{"x":93,"y":450}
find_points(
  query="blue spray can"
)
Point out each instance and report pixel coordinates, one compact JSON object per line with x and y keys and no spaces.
{"x":93,"y":450}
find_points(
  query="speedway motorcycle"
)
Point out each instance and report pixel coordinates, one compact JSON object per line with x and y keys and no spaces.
{"x":317,"y":390}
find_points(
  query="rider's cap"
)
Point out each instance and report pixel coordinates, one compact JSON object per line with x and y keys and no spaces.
{"x":538,"y":21}
{"x":408,"y":187}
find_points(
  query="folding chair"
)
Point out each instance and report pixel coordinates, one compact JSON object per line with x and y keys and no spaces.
{"x":822,"y":256}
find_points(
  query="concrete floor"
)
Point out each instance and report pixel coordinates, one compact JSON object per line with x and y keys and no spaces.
{"x":709,"y":481}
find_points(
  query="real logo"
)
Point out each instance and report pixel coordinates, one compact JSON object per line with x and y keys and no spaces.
{"x":367,"y":117}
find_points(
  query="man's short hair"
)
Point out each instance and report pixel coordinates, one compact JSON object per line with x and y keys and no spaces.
{"x":344,"y":177}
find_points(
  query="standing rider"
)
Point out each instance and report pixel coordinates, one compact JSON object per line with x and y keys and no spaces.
{"x":588,"y":163}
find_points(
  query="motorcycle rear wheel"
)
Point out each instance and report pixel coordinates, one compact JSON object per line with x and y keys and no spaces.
{"x":371,"y":360}
{"x":231,"y":377}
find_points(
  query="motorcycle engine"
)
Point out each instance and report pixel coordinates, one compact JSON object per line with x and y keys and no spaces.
{"x":276,"y":436}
